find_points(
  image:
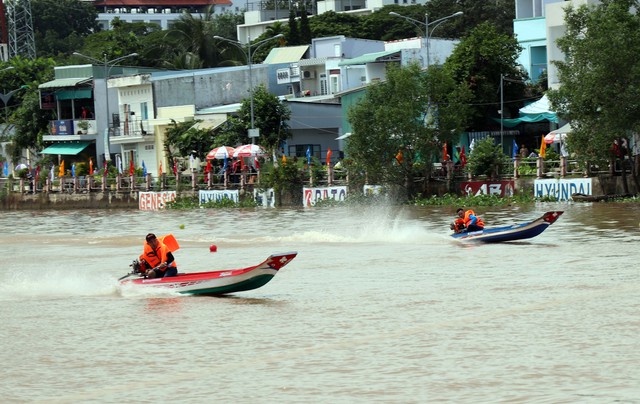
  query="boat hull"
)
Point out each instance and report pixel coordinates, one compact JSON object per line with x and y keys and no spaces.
{"x":511,"y":233}
{"x":223,"y":282}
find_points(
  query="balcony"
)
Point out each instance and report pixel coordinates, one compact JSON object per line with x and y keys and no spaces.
{"x":70,"y":129}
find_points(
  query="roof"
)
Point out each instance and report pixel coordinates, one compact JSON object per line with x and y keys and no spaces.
{"x":538,"y":107}
{"x":69,"y":149}
{"x":385,"y":56}
{"x":61,"y":83}
{"x":287,"y":54}
{"x":209,"y":123}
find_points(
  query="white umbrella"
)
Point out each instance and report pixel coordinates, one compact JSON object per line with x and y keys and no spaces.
{"x":249,"y":150}
{"x":220,"y":153}
{"x":20,"y":166}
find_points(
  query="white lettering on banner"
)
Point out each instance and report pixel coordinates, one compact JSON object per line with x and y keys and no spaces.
{"x":155,"y":200}
{"x":266,"y":198}
{"x":215,"y":196}
{"x":312,"y":195}
{"x":561,"y":188}
{"x":499,"y":188}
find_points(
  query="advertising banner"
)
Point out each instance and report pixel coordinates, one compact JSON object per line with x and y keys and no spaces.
{"x":498,"y":188}
{"x":562,"y":188}
{"x":311,"y":195}
{"x":155,"y":200}
{"x":205,"y":196}
{"x":266,"y":199}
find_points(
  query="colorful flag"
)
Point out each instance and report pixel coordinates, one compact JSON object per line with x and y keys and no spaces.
{"x":105,"y":169}
{"x":119,"y":163}
{"x":329,"y":153}
{"x":51,"y":172}
{"x":463,"y":157}
{"x":256,"y":163}
{"x":514,"y":152}
{"x":175,"y":166}
{"x":132,"y":168}
{"x":144,"y":169}
{"x":90,"y":166}
{"x":37,"y":172}
{"x":309,"y":155}
{"x":61,"y":171}
{"x":284,"y":159}
{"x":160,"y":170}
{"x":456,"y":154}
{"x":445,"y":153}
{"x":472,"y":145}
{"x":400,"y":156}
{"x":5,"y":169}
{"x":73,"y":170}
{"x":543,"y":148}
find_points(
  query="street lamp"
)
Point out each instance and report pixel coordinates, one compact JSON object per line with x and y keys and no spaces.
{"x":108,"y":64}
{"x":427,"y":24}
{"x":253,"y":133}
{"x":6,"y":97}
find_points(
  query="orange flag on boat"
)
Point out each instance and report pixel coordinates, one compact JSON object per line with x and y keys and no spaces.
{"x":329,"y":153}
{"x":61,"y":172}
{"x":543,"y":148}
{"x":90,"y":166}
{"x":160,"y":170}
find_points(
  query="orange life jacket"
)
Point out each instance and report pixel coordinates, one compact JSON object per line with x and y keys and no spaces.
{"x":467,"y":219}
{"x":157,"y":256}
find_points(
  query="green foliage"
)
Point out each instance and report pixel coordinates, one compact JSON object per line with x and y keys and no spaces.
{"x":478,"y":61}
{"x":270,"y":116}
{"x":391,"y":118}
{"x":184,"y":138}
{"x":294,"y":34}
{"x":283,"y":177}
{"x":61,"y":25}
{"x":192,"y":202}
{"x":475,"y":200}
{"x":600,"y":89}
{"x":486,"y":158}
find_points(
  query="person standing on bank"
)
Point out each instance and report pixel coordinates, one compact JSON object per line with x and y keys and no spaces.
{"x":157,"y":261}
{"x":471,"y":221}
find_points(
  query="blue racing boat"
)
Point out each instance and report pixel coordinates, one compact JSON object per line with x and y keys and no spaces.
{"x":511,"y":233}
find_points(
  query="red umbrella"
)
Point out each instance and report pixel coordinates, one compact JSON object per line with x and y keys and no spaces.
{"x":249,"y":150}
{"x":220,"y":153}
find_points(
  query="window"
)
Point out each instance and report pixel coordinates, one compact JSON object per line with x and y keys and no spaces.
{"x":144,"y":111}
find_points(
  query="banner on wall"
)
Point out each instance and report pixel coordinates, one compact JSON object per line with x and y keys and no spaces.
{"x":370,"y":190}
{"x":312,"y":195}
{"x":155,"y":200}
{"x":498,"y":188}
{"x":562,"y":188}
{"x":266,"y":198}
{"x":205,"y":196}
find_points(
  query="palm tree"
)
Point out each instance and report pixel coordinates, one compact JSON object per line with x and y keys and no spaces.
{"x":195,"y":34}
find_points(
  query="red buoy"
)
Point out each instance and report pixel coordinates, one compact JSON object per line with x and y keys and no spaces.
{"x":213,"y":248}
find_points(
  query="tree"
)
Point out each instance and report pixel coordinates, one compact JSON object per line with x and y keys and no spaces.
{"x":599,"y":90}
{"x":478,"y":61}
{"x":305,"y":28}
{"x":332,"y":23}
{"x":270,"y":116}
{"x":184,"y":138}
{"x":294,"y":34}
{"x":61,"y":25}
{"x":394,"y":139}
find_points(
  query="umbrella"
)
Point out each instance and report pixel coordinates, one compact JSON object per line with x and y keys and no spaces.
{"x":249,"y":150}
{"x":21,"y":166}
{"x":220,"y":153}
{"x":550,"y":138}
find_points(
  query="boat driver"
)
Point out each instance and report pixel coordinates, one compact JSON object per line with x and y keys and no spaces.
{"x":470,"y":221}
{"x":157,"y":261}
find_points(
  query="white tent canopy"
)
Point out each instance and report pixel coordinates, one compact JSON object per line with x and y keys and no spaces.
{"x":539,"y":107}
{"x":558,"y":135}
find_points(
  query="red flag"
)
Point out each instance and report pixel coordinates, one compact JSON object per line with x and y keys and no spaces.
{"x":132,"y":169}
{"x":90,"y":166}
{"x":445,"y":154}
{"x":256,"y":163}
{"x":105,"y":168}
{"x":400,"y":156}
{"x":463,"y":157}
{"x":207,"y":168}
{"x":160,"y":170}
{"x":329,"y":153}
{"x":175,"y":166}
{"x":543,"y":148}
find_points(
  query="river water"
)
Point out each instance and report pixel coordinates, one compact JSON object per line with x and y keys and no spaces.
{"x":379,"y":306}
